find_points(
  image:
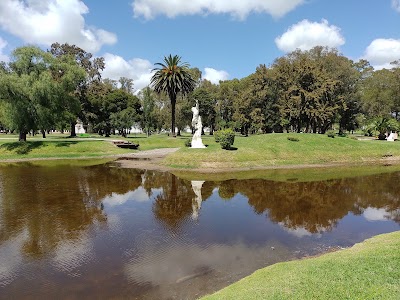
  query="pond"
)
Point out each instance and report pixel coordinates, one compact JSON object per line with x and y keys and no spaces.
{"x":105,"y":232}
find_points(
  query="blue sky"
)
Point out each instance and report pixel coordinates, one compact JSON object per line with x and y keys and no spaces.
{"x":225,"y":39}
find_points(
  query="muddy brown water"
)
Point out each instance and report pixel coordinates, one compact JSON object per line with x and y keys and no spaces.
{"x":70,"y":232}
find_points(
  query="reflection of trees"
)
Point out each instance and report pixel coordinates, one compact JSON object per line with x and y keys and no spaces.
{"x":174,"y":204}
{"x":55,"y":204}
{"x":317,"y":206}
{"x":379,"y":191}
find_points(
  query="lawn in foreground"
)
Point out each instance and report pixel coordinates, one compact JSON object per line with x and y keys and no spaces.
{"x":369,"y":270}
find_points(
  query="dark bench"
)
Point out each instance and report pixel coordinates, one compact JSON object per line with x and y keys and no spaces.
{"x":125,"y":144}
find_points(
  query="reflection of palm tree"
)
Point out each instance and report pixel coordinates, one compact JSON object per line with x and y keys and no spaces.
{"x":174,"y":204}
{"x":172,"y":77}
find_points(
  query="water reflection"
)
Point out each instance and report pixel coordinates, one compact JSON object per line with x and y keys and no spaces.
{"x":102,"y":231}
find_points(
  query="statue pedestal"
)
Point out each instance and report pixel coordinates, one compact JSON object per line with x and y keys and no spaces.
{"x":197,"y":142}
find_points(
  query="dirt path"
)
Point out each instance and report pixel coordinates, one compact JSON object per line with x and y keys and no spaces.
{"x":147,"y":159}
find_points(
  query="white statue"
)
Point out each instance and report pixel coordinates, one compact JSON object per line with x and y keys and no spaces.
{"x":197,"y":125}
{"x":390,"y":138}
{"x":196,"y":202}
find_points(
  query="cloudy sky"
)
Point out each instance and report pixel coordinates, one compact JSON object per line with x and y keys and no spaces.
{"x":225,"y":39}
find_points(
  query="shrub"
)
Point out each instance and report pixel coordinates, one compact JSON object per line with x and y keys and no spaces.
{"x":188,"y":143}
{"x":331,"y":134}
{"x":293,"y":139}
{"x":225,"y":137}
{"x":217,"y":135}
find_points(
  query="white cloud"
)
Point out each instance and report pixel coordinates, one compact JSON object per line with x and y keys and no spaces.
{"x":381,"y":52}
{"x":376,"y":214}
{"x":240,"y":9}
{"x":215,"y":75}
{"x":396,"y":5}
{"x":138,"y":195}
{"x":306,"y":35}
{"x":137,"y":69}
{"x":3,"y":44}
{"x":48,"y":21}
{"x":71,"y":254}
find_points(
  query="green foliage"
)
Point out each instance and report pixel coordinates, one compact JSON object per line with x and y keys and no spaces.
{"x":217,"y":135}
{"x":331,"y":134}
{"x":38,"y":90}
{"x":225,"y":137}
{"x":369,"y":129}
{"x":382,"y":125}
{"x":188,"y":143}
{"x":293,"y":139}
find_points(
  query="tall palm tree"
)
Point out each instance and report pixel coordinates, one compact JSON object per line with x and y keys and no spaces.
{"x":172,"y":77}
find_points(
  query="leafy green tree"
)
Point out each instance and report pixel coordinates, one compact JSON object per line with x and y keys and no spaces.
{"x":377,"y":94}
{"x":173,"y":78}
{"x":227,"y":93}
{"x":38,"y":89}
{"x":126,"y":84}
{"x":115,"y":109}
{"x":207,"y":106}
{"x":312,"y":88}
{"x":148,"y":105}
{"x":264,"y":91}
{"x":93,"y":68}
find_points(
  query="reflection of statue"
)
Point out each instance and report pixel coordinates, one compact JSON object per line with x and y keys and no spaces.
{"x":197,"y":125}
{"x":196,"y":202}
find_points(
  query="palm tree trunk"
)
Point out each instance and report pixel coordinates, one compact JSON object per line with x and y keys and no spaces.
{"x":173,"y":102}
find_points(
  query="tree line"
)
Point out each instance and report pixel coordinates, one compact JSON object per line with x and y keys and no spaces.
{"x":304,"y":91}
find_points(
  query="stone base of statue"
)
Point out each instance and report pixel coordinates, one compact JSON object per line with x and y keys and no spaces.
{"x":197,"y":142}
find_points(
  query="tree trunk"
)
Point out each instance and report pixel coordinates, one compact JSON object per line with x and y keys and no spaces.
{"x":179,"y":132}
{"x":22,"y":136}
{"x":73,"y":132}
{"x":43,"y":134}
{"x":173,"y":102}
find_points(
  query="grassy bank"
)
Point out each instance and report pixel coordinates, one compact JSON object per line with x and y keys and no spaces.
{"x":276,"y":150}
{"x":60,"y":146}
{"x":258,"y":151}
{"x":369,"y":270}
{"x":57,"y":149}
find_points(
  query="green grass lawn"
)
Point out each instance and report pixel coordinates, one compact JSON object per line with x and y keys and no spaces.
{"x":258,"y":151}
{"x":276,"y":150}
{"x":369,"y":270}
{"x":57,"y":149}
{"x":61,"y":146}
